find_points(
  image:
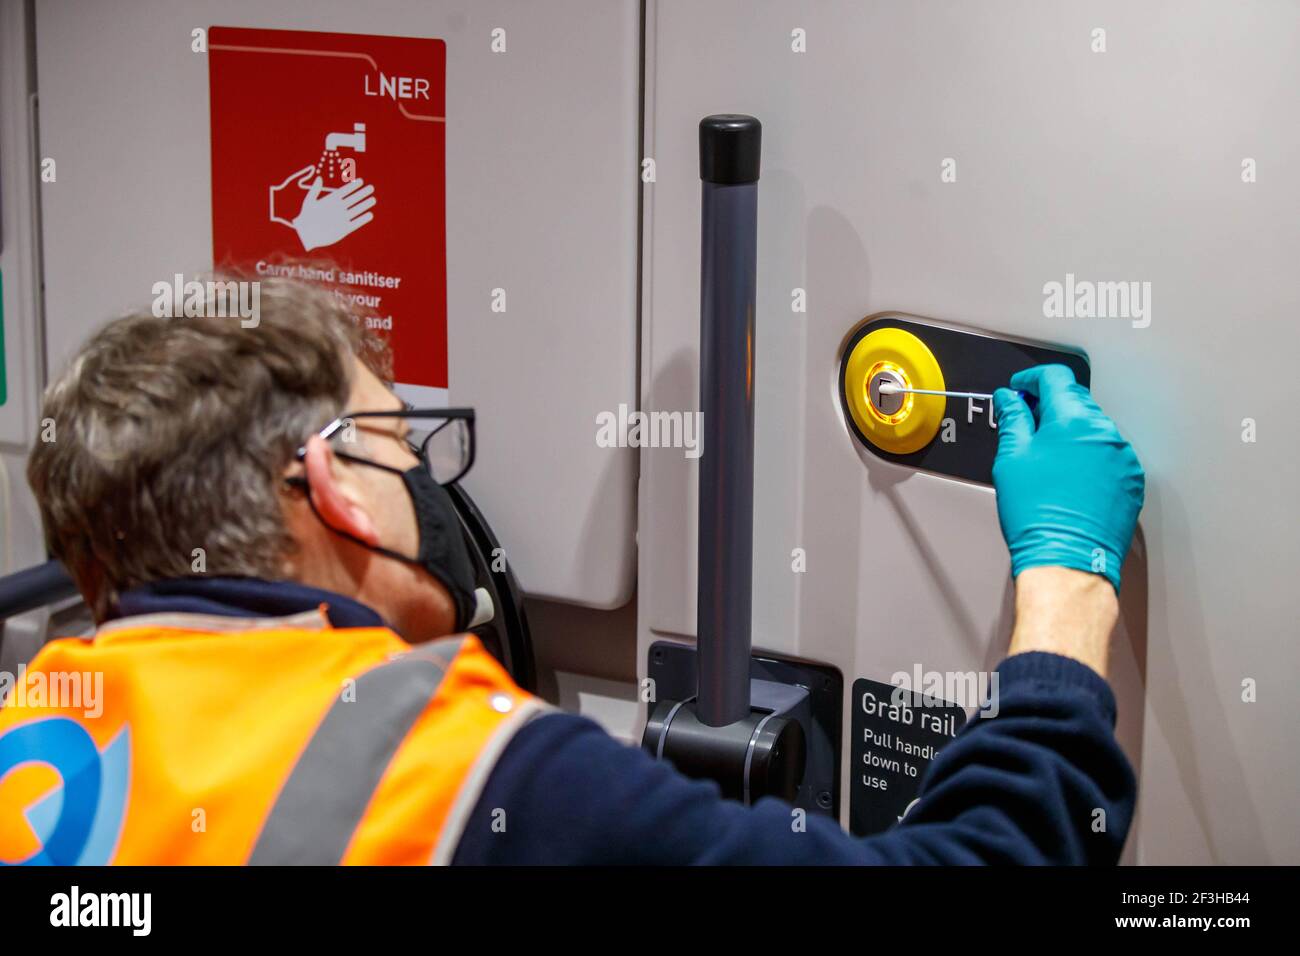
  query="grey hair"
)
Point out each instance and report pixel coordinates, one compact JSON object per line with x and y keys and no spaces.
{"x":173,"y":434}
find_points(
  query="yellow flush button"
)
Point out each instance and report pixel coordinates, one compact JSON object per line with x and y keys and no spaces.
{"x":897,"y":422}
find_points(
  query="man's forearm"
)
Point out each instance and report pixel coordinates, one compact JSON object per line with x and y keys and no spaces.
{"x":1067,"y":612}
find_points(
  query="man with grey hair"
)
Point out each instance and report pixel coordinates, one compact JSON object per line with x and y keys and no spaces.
{"x":262,"y":531}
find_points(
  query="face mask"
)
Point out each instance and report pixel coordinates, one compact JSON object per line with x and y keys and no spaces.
{"x":442,"y":542}
{"x":442,"y":551}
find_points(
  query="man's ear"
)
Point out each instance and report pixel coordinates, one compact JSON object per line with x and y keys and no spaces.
{"x":335,"y":501}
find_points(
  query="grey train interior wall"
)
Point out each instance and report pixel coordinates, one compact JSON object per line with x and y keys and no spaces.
{"x":951,"y":163}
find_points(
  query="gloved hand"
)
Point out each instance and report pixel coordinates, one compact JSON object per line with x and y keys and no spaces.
{"x":1069,"y":486}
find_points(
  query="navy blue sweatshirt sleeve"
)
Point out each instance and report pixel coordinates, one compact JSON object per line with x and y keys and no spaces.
{"x":1044,"y":781}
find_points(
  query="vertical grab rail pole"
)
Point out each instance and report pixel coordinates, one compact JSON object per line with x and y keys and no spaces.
{"x":729,"y":165}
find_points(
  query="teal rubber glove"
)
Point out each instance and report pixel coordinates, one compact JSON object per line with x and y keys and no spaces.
{"x":1069,"y":486}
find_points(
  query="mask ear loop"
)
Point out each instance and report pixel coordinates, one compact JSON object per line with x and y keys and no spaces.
{"x":300,"y":482}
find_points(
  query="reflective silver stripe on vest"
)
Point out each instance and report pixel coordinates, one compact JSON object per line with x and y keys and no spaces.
{"x":328,"y":791}
{"x":471,"y":788}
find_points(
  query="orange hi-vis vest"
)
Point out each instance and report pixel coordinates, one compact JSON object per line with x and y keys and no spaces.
{"x":198,"y":739}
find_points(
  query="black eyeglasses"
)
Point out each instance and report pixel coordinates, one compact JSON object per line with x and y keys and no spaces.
{"x":442,"y":438}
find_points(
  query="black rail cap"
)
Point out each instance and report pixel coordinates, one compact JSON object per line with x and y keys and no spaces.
{"x":730,"y":144}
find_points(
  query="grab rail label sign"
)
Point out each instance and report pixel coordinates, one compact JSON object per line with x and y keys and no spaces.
{"x":896,"y":735}
{"x":329,"y":165}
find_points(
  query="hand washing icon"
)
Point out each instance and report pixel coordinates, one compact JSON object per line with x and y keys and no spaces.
{"x":337,"y":202}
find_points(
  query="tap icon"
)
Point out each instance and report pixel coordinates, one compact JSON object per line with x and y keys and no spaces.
{"x":355,"y":141}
